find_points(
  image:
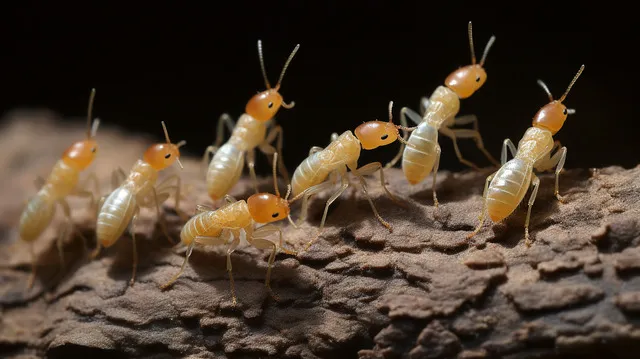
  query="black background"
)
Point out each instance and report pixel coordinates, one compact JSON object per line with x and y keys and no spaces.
{"x":187,"y":65}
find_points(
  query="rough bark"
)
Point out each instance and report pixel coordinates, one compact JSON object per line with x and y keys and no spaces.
{"x":422,"y":291}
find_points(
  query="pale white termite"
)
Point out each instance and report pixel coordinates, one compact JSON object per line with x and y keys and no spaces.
{"x":325,"y":166}
{"x":506,"y":188}
{"x":249,"y":133}
{"x":120,"y":209}
{"x":236,"y":222}
{"x":438,"y":115}
{"x":62,"y":182}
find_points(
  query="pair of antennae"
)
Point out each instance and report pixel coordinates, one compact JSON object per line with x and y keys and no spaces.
{"x":564,"y":96}
{"x":473,"y":51}
{"x":179,"y":144}
{"x":284,"y":70}
{"x":404,"y":128}
{"x":92,"y":129}
{"x":275,"y":186}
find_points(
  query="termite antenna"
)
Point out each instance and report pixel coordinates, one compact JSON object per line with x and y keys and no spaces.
{"x":486,"y":49}
{"x":275,"y":173}
{"x":264,"y":70}
{"x":90,"y":112}
{"x":546,"y":89}
{"x":575,"y":78}
{"x":166,"y":133}
{"x":286,"y":65}
{"x":391,"y":111}
{"x":94,"y":127}
{"x":571,"y":111}
{"x":473,"y":51}
{"x":181,"y":143}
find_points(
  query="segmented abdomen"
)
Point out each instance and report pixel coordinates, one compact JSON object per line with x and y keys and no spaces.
{"x":224,"y":170}
{"x":211,"y":223}
{"x":309,"y":173}
{"x":420,"y":155}
{"x":115,"y":215}
{"x":507,"y":189}
{"x":37,"y":215}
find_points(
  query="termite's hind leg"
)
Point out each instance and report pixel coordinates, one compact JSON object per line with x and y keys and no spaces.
{"x":343,"y":186}
{"x":251,"y":164}
{"x":535,"y":182}
{"x":132,"y":231}
{"x":363,"y":184}
{"x":370,"y":169}
{"x":34,"y":266}
{"x":453,"y":135}
{"x":184,"y":264}
{"x":260,"y":242}
{"x":475,"y":134}
{"x":482,"y":215}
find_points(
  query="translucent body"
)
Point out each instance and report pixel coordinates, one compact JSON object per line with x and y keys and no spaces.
{"x":420,"y":155}
{"x":345,"y":150}
{"x":234,"y":217}
{"x":226,"y":166}
{"x":119,"y":207}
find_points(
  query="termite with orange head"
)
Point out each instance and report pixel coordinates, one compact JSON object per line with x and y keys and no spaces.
{"x":249,"y":133}
{"x":325,"y":166}
{"x":62,"y":182}
{"x":235,"y":222}
{"x":505,"y":188}
{"x":438,"y":116}
{"x":120,"y":209}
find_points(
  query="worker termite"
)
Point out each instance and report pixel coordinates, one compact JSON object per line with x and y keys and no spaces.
{"x":62,"y":182}
{"x":249,"y":133}
{"x":438,"y":115}
{"x":324,"y":166}
{"x":506,"y":188}
{"x":121,"y":208}
{"x":236,"y":222}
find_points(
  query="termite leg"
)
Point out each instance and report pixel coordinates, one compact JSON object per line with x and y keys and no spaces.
{"x":117,"y":177}
{"x":558,"y":160}
{"x":512,"y":148}
{"x":424,"y":104}
{"x":206,"y":158}
{"x":82,"y":190}
{"x":223,"y":120}
{"x":308,"y":193}
{"x":343,"y":186}
{"x":475,"y":134}
{"x":535,"y":182}
{"x":370,"y":169}
{"x":232,"y":247}
{"x":163,"y":187}
{"x":158,"y":199}
{"x":251,"y":163}
{"x":415,"y":118}
{"x":436,"y":165}
{"x":132,"y":231}
{"x":363,"y":184}
{"x":276,"y":134}
{"x":96,"y":251}
{"x":184,"y":264}
{"x":34,"y":266}
{"x":452,"y":135}
{"x":260,"y":242}
{"x":315,"y":149}
{"x":483,"y":213}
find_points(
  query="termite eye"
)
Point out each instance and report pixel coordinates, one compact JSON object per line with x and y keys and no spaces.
{"x":167,"y":155}
{"x":93,"y":150}
{"x":564,"y":112}
{"x":478,"y":79}
{"x":275,"y":215}
{"x":384,"y":137}
{"x":270,"y":105}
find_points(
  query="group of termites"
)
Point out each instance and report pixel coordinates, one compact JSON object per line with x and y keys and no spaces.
{"x":325,"y":169}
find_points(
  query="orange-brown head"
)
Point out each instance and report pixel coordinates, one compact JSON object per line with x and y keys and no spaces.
{"x":82,"y":153}
{"x":264,"y":105}
{"x":162,"y":155}
{"x":267,"y":208}
{"x":552,"y":115}
{"x":373,"y":134}
{"x":468,"y":79}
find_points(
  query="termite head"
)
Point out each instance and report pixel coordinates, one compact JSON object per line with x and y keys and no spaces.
{"x":82,"y":153}
{"x":162,"y":155}
{"x":468,"y":79}
{"x":264,"y":105}
{"x":552,"y":115}
{"x":267,"y":208}
{"x":374,"y":134}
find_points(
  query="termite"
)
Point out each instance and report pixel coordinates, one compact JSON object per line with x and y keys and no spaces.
{"x":236,"y":222}
{"x":249,"y":133}
{"x":325,"y":166}
{"x":62,"y":182}
{"x":121,"y":208}
{"x":506,"y":188}
{"x":438,"y":115}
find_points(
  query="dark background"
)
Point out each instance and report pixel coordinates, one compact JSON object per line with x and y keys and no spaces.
{"x":187,"y":65}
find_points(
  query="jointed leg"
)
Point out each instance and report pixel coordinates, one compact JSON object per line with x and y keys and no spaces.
{"x":556,"y":160}
{"x":82,"y":189}
{"x":232,"y":247}
{"x":34,"y":265}
{"x":206,"y":157}
{"x":251,"y":163}
{"x":96,"y":251}
{"x":157,"y":200}
{"x":117,"y":177}
{"x":483,"y":214}
{"x":415,"y":118}
{"x":424,"y":104}
{"x":276,"y":133}
{"x":436,"y":165}
{"x":163,"y":188}
{"x":371,"y":168}
{"x":343,"y":186}
{"x":535,"y":182}
{"x":366,"y":194}
{"x":512,"y":148}
{"x":184,"y":264}
{"x":132,"y":231}
{"x":307,"y":194}
{"x":224,"y":119}
{"x":475,"y":134}
{"x":268,"y":230}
